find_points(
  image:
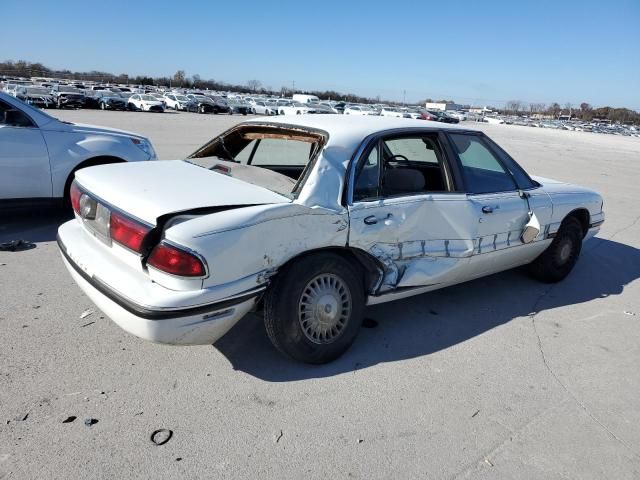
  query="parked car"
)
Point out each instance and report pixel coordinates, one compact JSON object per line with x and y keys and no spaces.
{"x":203,"y":104}
{"x":461,"y":116}
{"x":182,"y":250}
{"x":145,"y":103}
{"x":359,"y":110}
{"x":180,"y":102}
{"x":40,"y":154}
{"x":295,"y":108}
{"x":427,"y":115}
{"x":391,"y":112}
{"x":67,"y":97}
{"x":105,"y":100}
{"x":239,"y":107}
{"x":321,"y":108}
{"x":443,"y":117}
{"x":265,"y":108}
{"x":37,"y":96}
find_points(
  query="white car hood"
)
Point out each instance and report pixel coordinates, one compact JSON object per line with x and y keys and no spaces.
{"x":57,"y":125}
{"x":148,"y":190}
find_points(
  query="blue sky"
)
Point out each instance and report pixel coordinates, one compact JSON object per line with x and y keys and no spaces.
{"x":479,"y":52}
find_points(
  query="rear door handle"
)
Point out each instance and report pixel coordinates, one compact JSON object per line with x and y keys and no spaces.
{"x":372,"y":219}
{"x":487,"y":209}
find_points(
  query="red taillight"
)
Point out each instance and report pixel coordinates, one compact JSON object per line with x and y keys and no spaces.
{"x":127,"y":232}
{"x":175,"y":261}
{"x":74,"y":196}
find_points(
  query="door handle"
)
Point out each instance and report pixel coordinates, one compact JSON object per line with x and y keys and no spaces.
{"x":487,"y":209}
{"x":372,"y":219}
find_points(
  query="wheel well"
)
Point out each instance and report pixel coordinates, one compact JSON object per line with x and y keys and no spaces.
{"x":369,"y":267}
{"x":582,"y":215}
{"x":91,"y":162}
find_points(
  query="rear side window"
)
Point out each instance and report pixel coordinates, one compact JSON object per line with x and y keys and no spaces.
{"x":482,"y":171}
{"x":523,"y":180}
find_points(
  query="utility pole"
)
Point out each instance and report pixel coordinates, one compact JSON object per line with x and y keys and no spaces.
{"x":404,"y":97}
{"x":293,"y":87}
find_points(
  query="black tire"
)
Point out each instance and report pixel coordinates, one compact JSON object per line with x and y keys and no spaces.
{"x":557,"y":261}
{"x":283,"y":317}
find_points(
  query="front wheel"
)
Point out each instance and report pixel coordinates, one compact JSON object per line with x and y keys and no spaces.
{"x":313,"y":310}
{"x":557,"y":261}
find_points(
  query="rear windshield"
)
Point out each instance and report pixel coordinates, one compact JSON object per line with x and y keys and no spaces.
{"x":272,"y":157}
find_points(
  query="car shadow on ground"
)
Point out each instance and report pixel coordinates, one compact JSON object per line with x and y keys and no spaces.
{"x":431,"y":322}
{"x":36,"y":227}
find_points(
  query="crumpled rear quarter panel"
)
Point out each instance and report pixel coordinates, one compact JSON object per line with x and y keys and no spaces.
{"x":247,"y":241}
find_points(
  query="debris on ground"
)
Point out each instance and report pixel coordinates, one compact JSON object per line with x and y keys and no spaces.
{"x":477,"y":412}
{"x":86,"y":313}
{"x":25,"y":417}
{"x":87,"y":324}
{"x":161,"y":436}
{"x":488,"y":462}
{"x":16,"y":246}
{"x":627,"y":312}
{"x":369,"y":323}
{"x":90,"y":422}
{"x":278,"y":436}
{"x":69,"y":419}
{"x":179,"y":459}
{"x":359,"y":441}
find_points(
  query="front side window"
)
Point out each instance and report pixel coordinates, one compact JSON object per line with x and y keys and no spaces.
{"x":482,"y":171}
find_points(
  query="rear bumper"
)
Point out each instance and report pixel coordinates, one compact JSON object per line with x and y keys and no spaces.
{"x":198,"y":324}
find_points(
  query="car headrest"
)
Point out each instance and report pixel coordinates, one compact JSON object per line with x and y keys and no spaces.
{"x":403,"y":180}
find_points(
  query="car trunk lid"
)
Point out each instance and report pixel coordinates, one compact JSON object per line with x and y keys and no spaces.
{"x":149,"y":190}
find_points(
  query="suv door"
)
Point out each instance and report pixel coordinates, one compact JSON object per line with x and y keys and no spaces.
{"x":405,"y":210}
{"x":24,"y":160}
{"x":501,"y":210}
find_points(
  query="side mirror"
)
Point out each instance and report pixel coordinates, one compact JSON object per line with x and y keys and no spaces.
{"x":531,"y":229}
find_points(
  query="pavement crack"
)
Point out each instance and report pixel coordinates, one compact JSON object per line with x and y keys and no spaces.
{"x":578,"y":402}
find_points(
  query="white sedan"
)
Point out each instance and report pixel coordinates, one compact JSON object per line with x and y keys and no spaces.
{"x":391,"y":112}
{"x":361,"y":110}
{"x":177,"y":101}
{"x":145,"y":103}
{"x":294,"y":108}
{"x":39,"y":154}
{"x":312,"y":218}
{"x":261,"y":107}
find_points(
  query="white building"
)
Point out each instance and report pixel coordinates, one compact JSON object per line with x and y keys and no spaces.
{"x":442,"y":106}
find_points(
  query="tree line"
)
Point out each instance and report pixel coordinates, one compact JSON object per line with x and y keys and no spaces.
{"x":22,"y":68}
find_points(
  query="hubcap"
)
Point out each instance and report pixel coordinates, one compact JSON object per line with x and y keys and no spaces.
{"x":324,"y":308}
{"x":565,"y":252}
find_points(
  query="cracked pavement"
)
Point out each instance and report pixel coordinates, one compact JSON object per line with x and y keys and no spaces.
{"x":499,"y":378}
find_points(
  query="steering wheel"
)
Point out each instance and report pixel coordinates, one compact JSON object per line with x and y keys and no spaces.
{"x":396,"y":158}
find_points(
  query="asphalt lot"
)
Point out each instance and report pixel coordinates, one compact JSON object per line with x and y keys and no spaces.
{"x":500,"y":378}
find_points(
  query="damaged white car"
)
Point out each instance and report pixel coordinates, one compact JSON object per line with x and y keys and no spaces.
{"x":312,"y":218}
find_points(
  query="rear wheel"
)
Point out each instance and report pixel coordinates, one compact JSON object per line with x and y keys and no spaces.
{"x":557,"y":261}
{"x":313,"y":310}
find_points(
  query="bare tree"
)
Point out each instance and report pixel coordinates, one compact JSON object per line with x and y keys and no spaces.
{"x":178,"y":77}
{"x":254,"y":85}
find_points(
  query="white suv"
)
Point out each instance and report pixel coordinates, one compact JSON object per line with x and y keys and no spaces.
{"x":39,"y":154}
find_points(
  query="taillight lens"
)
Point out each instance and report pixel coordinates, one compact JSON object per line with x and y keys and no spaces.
{"x":175,"y":261}
{"x":127,"y":232}
{"x":74,"y":195}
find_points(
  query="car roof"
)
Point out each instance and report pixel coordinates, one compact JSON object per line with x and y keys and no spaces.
{"x":348,"y":131}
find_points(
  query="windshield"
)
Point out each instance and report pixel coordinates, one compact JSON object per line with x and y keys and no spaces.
{"x":36,"y":91}
{"x":268,"y":156}
{"x":68,"y":89}
{"x":182,"y":98}
{"x":148,"y":98}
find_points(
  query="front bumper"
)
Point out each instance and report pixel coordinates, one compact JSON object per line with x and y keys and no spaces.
{"x":195,"y":324}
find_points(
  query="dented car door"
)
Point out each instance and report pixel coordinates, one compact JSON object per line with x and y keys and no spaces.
{"x":404,"y":211}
